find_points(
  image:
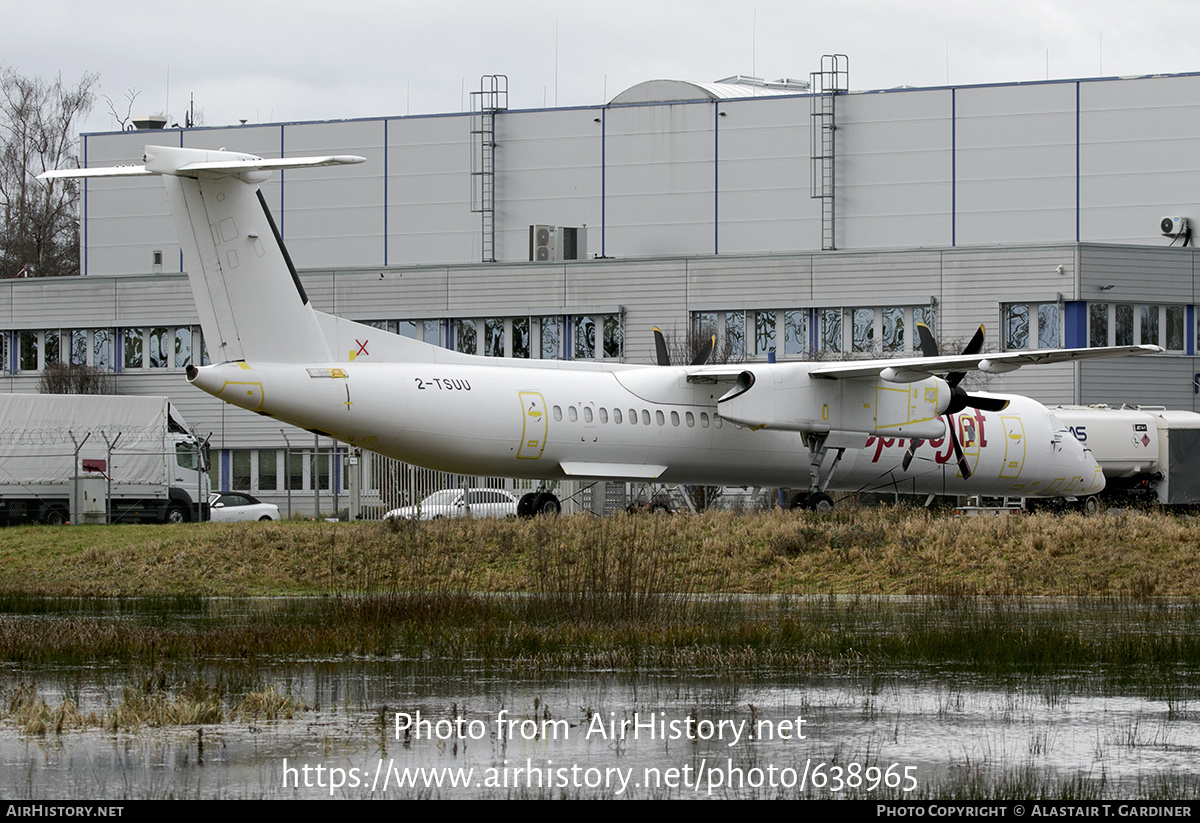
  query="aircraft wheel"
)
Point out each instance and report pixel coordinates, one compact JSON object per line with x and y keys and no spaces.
{"x":1091,"y":505}
{"x":821,"y":503}
{"x":525,"y":505}
{"x":546,"y":504}
{"x":798,"y":502}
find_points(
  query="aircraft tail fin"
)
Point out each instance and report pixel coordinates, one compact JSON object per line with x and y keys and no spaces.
{"x":250,"y":300}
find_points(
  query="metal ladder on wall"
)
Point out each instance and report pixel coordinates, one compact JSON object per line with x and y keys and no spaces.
{"x":491,"y":98}
{"x":833,"y":79}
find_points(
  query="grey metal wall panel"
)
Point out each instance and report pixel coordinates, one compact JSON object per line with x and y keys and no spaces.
{"x":763,"y":177}
{"x":1137,"y":275}
{"x":757,"y":282}
{"x":379,"y":295}
{"x":335,"y":216}
{"x":1163,"y":380}
{"x":1015,"y":163}
{"x":875,"y":280}
{"x":976,"y":282}
{"x":1138,"y":156}
{"x":893,"y":170}
{"x":512,"y":290}
{"x":659,"y":185}
{"x":652,"y":294}
{"x":59,"y":302}
{"x":123,"y":220}
{"x":429,"y":192}
{"x":1050,"y":385}
{"x":548,"y":172}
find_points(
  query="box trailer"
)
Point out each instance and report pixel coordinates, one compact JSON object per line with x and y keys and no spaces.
{"x":98,"y":458}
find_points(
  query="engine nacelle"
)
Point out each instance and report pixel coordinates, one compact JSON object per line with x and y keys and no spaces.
{"x":787,"y":397}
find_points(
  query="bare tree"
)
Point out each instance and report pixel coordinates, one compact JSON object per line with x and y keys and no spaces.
{"x":39,"y":235}
{"x":125,"y":121}
{"x":64,"y":378}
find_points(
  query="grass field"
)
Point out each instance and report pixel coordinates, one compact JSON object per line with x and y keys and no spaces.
{"x":854,"y":551}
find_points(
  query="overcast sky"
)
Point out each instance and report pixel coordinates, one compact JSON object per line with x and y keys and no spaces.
{"x":301,"y":60}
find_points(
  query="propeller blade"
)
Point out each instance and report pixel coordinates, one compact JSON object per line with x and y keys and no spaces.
{"x":964,"y":468}
{"x":929,"y":346}
{"x":660,"y":348}
{"x":974,"y":346}
{"x":908,"y":455}
{"x":705,"y":351}
{"x":991,"y":404}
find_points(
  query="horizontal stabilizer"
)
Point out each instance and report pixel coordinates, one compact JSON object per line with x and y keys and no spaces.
{"x":183,"y":163}
{"x":99,"y":171}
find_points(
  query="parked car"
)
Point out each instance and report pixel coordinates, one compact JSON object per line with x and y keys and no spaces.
{"x":227,"y":507}
{"x":459,"y":503}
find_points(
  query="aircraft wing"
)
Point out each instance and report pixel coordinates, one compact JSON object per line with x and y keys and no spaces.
{"x":909,"y":369}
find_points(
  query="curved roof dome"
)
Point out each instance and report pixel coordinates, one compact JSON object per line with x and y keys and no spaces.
{"x":669,"y":91}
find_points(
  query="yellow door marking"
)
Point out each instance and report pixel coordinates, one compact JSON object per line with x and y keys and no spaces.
{"x":1014,"y":446}
{"x":533,"y":425}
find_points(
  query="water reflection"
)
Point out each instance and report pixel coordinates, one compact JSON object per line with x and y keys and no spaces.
{"x":504,"y":730}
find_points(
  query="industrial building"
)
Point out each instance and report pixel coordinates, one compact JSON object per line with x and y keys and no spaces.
{"x":795,"y":220}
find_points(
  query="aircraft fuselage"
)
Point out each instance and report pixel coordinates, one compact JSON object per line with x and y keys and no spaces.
{"x":646,"y":423}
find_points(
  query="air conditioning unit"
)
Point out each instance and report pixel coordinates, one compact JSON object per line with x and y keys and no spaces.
{"x":1173,"y":226}
{"x":557,"y":243}
{"x":541,"y":243}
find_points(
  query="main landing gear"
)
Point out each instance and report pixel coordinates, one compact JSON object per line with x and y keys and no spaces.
{"x":818,"y":500}
{"x":538,"y":503}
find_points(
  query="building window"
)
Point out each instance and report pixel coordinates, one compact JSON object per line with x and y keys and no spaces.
{"x":79,"y":347}
{"x":493,"y":337}
{"x":551,"y":333}
{"x":52,"y":353}
{"x":268,"y":470}
{"x":584,"y":334}
{"x":1048,"y":326}
{"x":27,"y":342}
{"x":520,"y":337}
{"x":795,"y":332}
{"x":892,"y":340}
{"x":102,"y":349}
{"x":764,"y":332}
{"x":183,"y":347}
{"x":1125,"y":324}
{"x":874,"y":330}
{"x":614,"y":336}
{"x":735,"y":333}
{"x":239,"y":472}
{"x":831,"y":329}
{"x":466,"y":336}
{"x":1016,"y":320}
{"x":132,"y":355}
{"x":160,"y":347}
{"x":1098,"y":325}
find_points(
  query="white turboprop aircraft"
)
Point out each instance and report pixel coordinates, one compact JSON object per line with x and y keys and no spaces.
{"x":861,"y":425}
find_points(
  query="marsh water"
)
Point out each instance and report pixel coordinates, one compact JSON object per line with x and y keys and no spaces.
{"x":398,"y":727}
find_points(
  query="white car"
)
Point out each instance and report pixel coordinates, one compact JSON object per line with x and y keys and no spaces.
{"x":459,"y":503}
{"x":227,"y":507}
